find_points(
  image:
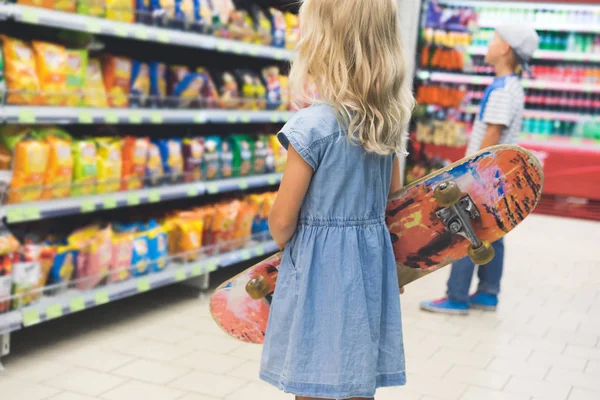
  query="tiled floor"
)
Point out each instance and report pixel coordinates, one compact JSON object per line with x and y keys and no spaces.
{"x":542,"y":344}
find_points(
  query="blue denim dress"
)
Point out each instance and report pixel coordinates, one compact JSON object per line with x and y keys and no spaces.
{"x":335,"y":327}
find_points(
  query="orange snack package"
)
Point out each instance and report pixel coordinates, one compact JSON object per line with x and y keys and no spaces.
{"x":59,"y":174}
{"x":94,"y":92}
{"x":133,"y":167}
{"x":51,"y":66}
{"x":29,"y":169}
{"x":65,"y":5}
{"x":19,"y":72}
{"x":224,"y":223}
{"x":37,"y":3}
{"x":243,"y":222}
{"x":117,"y":76}
{"x":188,"y":230}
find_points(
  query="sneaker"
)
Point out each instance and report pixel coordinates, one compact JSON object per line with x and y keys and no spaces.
{"x":445,"y":306}
{"x":484,"y":301}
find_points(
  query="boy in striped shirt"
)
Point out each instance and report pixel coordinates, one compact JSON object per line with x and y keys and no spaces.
{"x":499,"y":121}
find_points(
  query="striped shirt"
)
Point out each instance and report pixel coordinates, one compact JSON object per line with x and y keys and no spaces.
{"x":503,"y":103}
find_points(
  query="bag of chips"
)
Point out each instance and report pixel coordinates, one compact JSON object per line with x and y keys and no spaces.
{"x":94,"y":8}
{"x":209,"y":96}
{"x":94,"y":92}
{"x":224,"y":223}
{"x":262,"y":26}
{"x":29,"y":169}
{"x":245,"y":82}
{"x":140,"y":84}
{"x":259,"y":156}
{"x":172,"y":158}
{"x":157,"y":246}
{"x":122,"y":252}
{"x":76,"y":70}
{"x":158,"y":83}
{"x":109,"y":165}
{"x":193,"y":152}
{"x":212,"y":156}
{"x":241,"y":147}
{"x":140,"y":257}
{"x":120,"y":10}
{"x":59,"y":172}
{"x":273,"y":85}
{"x":117,"y":78}
{"x":19,"y":70}
{"x":226,"y":159}
{"x":292,"y":34}
{"x":49,"y":4}
{"x":65,"y":5}
{"x":279,"y":152}
{"x":279,"y":28}
{"x":154,"y":167}
{"x":85,"y":170}
{"x":135,"y":154}
{"x":227,"y":86}
{"x":51,"y":66}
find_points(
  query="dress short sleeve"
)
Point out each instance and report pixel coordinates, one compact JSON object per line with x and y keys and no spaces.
{"x":302,"y":138}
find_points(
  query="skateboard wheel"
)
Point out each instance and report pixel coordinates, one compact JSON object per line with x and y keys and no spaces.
{"x":257,"y":288}
{"x":483,"y":254}
{"x":447,"y":194}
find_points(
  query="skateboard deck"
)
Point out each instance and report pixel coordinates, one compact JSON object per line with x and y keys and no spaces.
{"x":453,"y":213}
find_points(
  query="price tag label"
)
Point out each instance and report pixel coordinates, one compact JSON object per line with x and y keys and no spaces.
{"x":260,"y":250}
{"x":154,"y":196}
{"x":253,"y":51}
{"x":120,"y":31}
{"x":14,"y":215}
{"x":143,"y":285}
{"x":31,"y":213}
{"x":274,"y":118}
{"x":212,"y":265}
{"x":245,"y":118}
{"x":110,"y":202}
{"x":26,"y":117}
{"x":88,"y":206}
{"x":279,"y":55}
{"x":222,"y":46}
{"x":29,"y":16}
{"x":140,"y":33}
{"x":246,"y":255}
{"x":192,"y":191}
{"x":200,"y":118}
{"x":180,"y":275}
{"x":156,"y":117}
{"x":31,"y":317}
{"x":197,"y":270}
{"x":93,"y":26}
{"x":85,"y":117}
{"x":102,"y":297}
{"x":232,"y":119}
{"x":163,"y":37}
{"x":135,"y":117}
{"x":111,"y":117}
{"x":212,"y":188}
{"x":272,"y":180}
{"x":54,"y":311}
{"x":243,"y":184}
{"x":77,"y":304}
{"x":133,"y":199}
{"x":238,"y":48}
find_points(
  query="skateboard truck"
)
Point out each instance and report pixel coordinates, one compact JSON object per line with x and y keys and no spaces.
{"x":456,"y":215}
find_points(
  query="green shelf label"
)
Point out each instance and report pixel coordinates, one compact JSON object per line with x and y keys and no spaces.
{"x":243,"y":184}
{"x":54,"y":311}
{"x":232,"y":119}
{"x":279,"y":55}
{"x":238,"y":49}
{"x":192,"y":191}
{"x":110,"y":202}
{"x":212,"y":265}
{"x":31,"y":317}
{"x":221,"y":46}
{"x":85,"y":117}
{"x":253,"y":51}
{"x":154,"y":196}
{"x":14,"y":215}
{"x":199,"y":118}
{"x":31,"y":213}
{"x":26,"y":117}
{"x":212,"y":188}
{"x":245,"y":118}
{"x":133,"y":199}
{"x":77,"y":304}
{"x":141,"y":33}
{"x":143,"y":285}
{"x":274,"y":118}
{"x":156,"y":117}
{"x":163,"y":37}
{"x":272,"y":180}
{"x":120,"y":31}
{"x":93,"y":26}
{"x":111,"y":117}
{"x":102,"y":297}
{"x":135,"y":117}
{"x":29,"y":16}
{"x":260,"y":250}
{"x":180,"y":275}
{"x":246,"y":255}
{"x":88,"y":206}
{"x":197,"y":270}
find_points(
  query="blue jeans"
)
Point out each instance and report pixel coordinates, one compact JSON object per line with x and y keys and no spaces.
{"x":489,"y":275}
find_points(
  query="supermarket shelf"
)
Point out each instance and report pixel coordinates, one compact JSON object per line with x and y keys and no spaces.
{"x":32,"y":211}
{"x":558,"y":142}
{"x":10,"y":322}
{"x":71,"y":115}
{"x":71,"y":301}
{"x":82,"y":23}
{"x":537,"y":114}
{"x":519,"y":5}
{"x":459,"y":78}
{"x":547,"y":55}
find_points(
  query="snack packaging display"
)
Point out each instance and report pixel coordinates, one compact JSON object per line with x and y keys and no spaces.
{"x":140,"y":84}
{"x":49,"y":4}
{"x":193,"y":153}
{"x":77,"y":61}
{"x":5,"y":285}
{"x":292,"y":36}
{"x":212,"y":158}
{"x":279,"y":28}
{"x":143,"y":11}
{"x":186,"y":12}
{"x":95,"y":254}
{"x":241,"y":147}
{"x":93,"y":8}
{"x":109,"y":165}
{"x":163,"y":11}
{"x":285,"y":93}
{"x":227,"y":87}
{"x":51,"y":68}
{"x":65,"y":5}
{"x":154,"y":167}
{"x":279,"y":153}
{"x":2,"y":81}
{"x":85,"y":170}
{"x":158,"y":83}
{"x":226,"y":159}
{"x":26,"y":275}
{"x":30,"y":157}
{"x":224,"y":221}
{"x":209,"y":96}
{"x":243,"y":223}
{"x":94,"y":91}
{"x":222,"y":10}
{"x":247,"y":87}
{"x":20,"y":75}
{"x":185,"y":86}
{"x":262,"y":27}
{"x":59,"y":172}
{"x":187,"y":235}
{"x":117,"y":78}
{"x":240,"y":26}
{"x":261,"y":147}
{"x":204,"y":22}
{"x":273,"y":85}
{"x":157,"y":246}
{"x":120,"y":10}
{"x":171,"y":155}
{"x":260,"y":92}
{"x":134,"y":153}
{"x":63,"y":264}
{"x":139,"y":256}
{"x":122,"y":252}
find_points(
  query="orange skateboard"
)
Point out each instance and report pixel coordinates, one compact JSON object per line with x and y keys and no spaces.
{"x":456,"y":212}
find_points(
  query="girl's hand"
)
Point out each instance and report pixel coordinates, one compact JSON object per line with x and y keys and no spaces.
{"x":402,"y":290}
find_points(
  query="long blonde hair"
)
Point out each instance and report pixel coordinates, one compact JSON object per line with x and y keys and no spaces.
{"x":350,"y":51}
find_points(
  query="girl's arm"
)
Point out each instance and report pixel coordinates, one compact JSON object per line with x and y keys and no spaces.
{"x":283,"y":217}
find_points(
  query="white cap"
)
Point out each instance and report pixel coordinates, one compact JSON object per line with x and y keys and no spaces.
{"x":523,"y":39}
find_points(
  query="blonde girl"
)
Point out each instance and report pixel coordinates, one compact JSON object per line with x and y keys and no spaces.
{"x":335,"y":328}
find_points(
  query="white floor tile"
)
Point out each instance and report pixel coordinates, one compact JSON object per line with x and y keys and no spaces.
{"x":518,"y":368}
{"x":210,"y":362}
{"x":542,"y":389}
{"x":71,"y":396}
{"x":159,"y":351}
{"x":581,"y":394}
{"x":143,"y":391}
{"x":476,"y":393}
{"x":208,"y":384}
{"x":85,"y":381}
{"x":151,"y":371}
{"x":98,"y":359}
{"x":34,"y":370}
{"x":541,"y":358}
{"x":12,"y":388}
{"x":478,"y":377}
{"x":258,"y":390}
{"x":583,"y":380}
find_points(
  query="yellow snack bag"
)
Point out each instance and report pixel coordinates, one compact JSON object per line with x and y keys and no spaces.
{"x":51,"y":65}
{"x":19,"y":72}
{"x":59,"y":174}
{"x":117,"y":77}
{"x":94,"y":93}
{"x":279,"y":152}
{"x":29,"y":168}
{"x":95,"y":8}
{"x":85,"y":171}
{"x":120,"y":10}
{"x":292,"y":33}
{"x":108,"y":164}
{"x":77,"y":61}
{"x":65,"y":5}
